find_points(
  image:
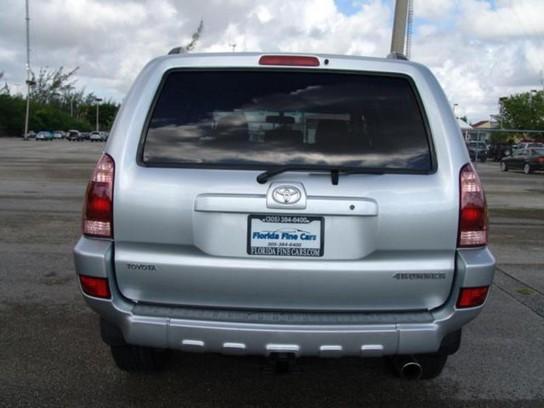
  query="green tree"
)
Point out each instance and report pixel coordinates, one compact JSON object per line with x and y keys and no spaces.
{"x":56,"y":104}
{"x":523,"y":111}
{"x":108,"y":110}
{"x":52,"y":86}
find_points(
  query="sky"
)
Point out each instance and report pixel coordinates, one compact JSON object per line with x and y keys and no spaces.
{"x":479,"y":50}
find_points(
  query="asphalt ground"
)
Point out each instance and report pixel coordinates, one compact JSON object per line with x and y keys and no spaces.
{"x":51,"y":353}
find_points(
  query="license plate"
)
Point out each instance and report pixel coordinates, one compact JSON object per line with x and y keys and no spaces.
{"x":285,"y":235}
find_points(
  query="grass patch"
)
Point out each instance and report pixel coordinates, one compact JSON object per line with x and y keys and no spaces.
{"x":525,"y":291}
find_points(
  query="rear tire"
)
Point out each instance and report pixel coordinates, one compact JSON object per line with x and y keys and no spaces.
{"x":137,"y":358}
{"x":128,"y":357}
{"x":527,"y":168}
{"x":504,"y":167}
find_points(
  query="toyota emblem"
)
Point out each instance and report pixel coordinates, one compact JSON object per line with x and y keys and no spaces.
{"x":286,"y":195}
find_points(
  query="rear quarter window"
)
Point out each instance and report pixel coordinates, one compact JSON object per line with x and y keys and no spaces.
{"x":264,"y":118}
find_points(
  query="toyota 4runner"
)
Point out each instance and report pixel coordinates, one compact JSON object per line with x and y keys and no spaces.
{"x":285,"y":205}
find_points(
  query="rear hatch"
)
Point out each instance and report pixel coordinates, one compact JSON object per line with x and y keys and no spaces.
{"x":357,"y":218}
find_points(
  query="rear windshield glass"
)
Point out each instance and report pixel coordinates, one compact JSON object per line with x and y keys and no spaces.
{"x":262,"y":119}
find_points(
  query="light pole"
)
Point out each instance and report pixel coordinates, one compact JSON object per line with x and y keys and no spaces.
{"x":398,"y":39}
{"x":29,"y":82}
{"x":98,"y":100}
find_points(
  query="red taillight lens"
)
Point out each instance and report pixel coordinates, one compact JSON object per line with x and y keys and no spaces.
{"x":294,"y":60}
{"x":97,"y":287}
{"x":472,"y":297}
{"x":98,"y":207}
{"x":540,"y":160}
{"x":472,"y":209}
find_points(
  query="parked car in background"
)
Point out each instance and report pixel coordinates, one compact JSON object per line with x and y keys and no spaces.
{"x":299,"y":211}
{"x":496,"y":151}
{"x":31,"y":134}
{"x":477,"y":151}
{"x":74,"y":136}
{"x":527,"y":160}
{"x":528,"y":145}
{"x":44,"y":135}
{"x":85,"y":135}
{"x":58,"y":134}
{"x":96,"y":136}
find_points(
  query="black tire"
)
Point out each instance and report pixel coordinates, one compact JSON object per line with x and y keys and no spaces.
{"x":128,"y":357}
{"x":527,"y":168}
{"x":137,"y":358}
{"x":504,"y":167}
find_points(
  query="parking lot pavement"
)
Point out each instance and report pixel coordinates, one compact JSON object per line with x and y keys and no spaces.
{"x":51,"y":354}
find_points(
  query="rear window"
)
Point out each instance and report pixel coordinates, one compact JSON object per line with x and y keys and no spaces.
{"x":264,"y":118}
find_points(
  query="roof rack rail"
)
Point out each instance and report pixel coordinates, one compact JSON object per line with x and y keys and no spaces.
{"x":397,"y":55}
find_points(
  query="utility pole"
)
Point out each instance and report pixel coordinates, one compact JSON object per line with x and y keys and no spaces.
{"x":398,"y":39}
{"x":29,"y":82}
{"x":409,"y":28}
{"x":98,"y":100}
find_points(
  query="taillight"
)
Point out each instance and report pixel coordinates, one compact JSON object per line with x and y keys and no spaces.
{"x":540,"y":160}
{"x":472,"y":209}
{"x":293,"y":60}
{"x":97,"y":287}
{"x":472,"y":297}
{"x":98,"y":207}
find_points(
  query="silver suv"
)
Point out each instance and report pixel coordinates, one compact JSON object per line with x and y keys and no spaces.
{"x":285,"y":206}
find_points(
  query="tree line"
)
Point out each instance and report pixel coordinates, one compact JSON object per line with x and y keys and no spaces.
{"x":55,"y":104}
{"x":524,"y":111}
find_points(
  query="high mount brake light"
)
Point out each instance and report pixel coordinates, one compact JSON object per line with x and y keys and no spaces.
{"x":98,"y":207}
{"x":289,"y":60}
{"x":472,"y":209}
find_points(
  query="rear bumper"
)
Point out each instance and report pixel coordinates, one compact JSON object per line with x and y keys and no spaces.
{"x":304,"y":334}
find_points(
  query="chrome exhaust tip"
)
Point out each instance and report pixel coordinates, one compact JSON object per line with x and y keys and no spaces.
{"x":411,"y":370}
{"x":408,"y":367}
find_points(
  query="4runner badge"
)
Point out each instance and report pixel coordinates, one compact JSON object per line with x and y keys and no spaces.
{"x":412,"y":276}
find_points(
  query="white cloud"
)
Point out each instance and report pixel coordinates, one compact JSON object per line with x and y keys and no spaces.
{"x":479,"y":51}
{"x":433,"y":9}
{"x":510,"y":19}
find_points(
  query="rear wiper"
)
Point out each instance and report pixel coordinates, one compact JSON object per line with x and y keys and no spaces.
{"x":265,"y":176}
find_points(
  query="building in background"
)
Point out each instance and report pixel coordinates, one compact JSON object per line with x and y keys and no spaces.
{"x":478,"y":132}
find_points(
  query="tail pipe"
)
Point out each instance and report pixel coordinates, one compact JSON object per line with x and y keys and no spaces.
{"x":408,"y":367}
